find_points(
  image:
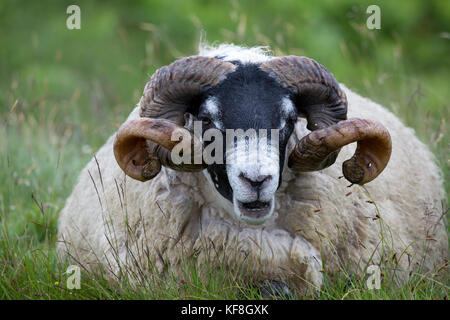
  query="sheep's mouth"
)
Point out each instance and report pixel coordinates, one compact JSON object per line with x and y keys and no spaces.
{"x":255,"y":209}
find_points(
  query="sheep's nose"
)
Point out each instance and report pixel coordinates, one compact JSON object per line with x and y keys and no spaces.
{"x":257,"y":182}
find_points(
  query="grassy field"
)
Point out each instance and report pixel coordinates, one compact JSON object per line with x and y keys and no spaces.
{"x":64,"y":92}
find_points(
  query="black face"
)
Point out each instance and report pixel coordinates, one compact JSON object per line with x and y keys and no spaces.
{"x":247,"y":99}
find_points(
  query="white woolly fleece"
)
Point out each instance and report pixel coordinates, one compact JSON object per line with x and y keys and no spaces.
{"x":231,"y":52}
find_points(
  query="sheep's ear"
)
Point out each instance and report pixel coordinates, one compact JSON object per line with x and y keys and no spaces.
{"x":132,"y":153}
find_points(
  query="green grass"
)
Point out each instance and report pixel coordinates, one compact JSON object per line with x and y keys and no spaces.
{"x":63,"y":93}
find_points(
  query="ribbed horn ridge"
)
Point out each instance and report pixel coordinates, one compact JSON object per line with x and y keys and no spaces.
{"x":143,"y":145}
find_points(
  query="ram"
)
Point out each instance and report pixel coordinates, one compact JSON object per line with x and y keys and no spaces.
{"x":286,"y":209}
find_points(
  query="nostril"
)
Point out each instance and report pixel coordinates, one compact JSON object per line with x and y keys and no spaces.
{"x":255,"y":183}
{"x":263,"y":178}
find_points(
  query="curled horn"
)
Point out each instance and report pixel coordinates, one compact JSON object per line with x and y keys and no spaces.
{"x":320,"y":99}
{"x":143,"y":145}
{"x":372,"y":154}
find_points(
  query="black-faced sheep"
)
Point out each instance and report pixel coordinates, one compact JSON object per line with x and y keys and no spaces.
{"x":289,"y":210}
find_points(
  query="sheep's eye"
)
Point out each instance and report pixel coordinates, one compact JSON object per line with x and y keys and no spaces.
{"x":292,"y":120}
{"x":206,"y":121}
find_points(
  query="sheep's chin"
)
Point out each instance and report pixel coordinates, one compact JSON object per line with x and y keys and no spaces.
{"x":253,"y":217}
